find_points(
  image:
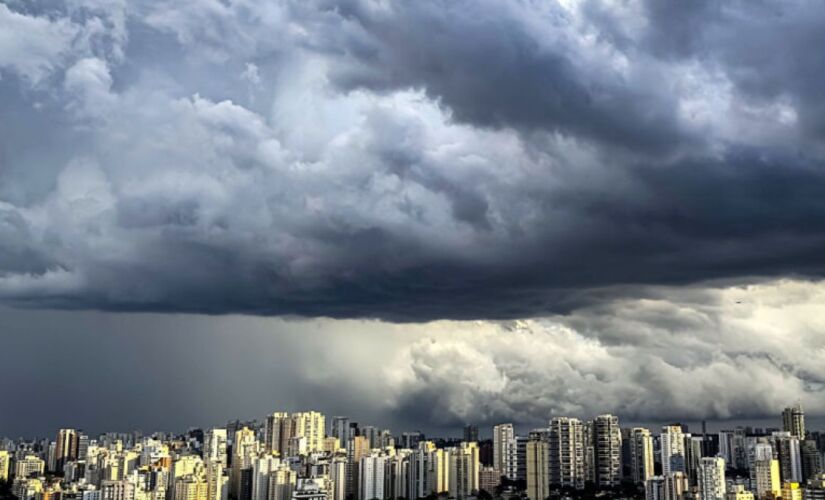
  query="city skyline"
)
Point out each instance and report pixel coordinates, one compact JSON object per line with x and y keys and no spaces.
{"x":307,"y":455}
{"x":485,"y":431}
{"x":424,"y":213}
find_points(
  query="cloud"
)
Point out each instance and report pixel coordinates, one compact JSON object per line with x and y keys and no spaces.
{"x":399,"y":161}
{"x":709,"y":353}
{"x":33,"y":46}
{"x":676,"y":354}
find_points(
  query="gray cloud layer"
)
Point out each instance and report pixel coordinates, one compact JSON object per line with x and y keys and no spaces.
{"x":405,"y":161}
{"x":686,"y":353}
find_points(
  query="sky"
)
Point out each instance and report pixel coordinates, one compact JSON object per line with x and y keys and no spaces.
{"x":416,"y":213}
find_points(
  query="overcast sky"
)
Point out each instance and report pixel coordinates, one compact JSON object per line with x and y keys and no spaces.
{"x":420,"y":212}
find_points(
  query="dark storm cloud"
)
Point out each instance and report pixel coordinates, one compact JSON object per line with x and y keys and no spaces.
{"x":493,"y":65}
{"x":406,"y":161}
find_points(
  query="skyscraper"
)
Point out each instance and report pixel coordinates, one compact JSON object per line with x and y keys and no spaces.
{"x":641,"y":455}
{"x":282,"y":431}
{"x":214,"y":446}
{"x":357,"y":449}
{"x":282,"y":483}
{"x":438,"y":472}
{"x":793,"y":421}
{"x":418,"y":469}
{"x":538,"y":469}
{"x":566,"y":458}
{"x":766,"y":473}
{"x":338,"y":476}
{"x":693,"y":457}
{"x":373,"y":435}
{"x":502,"y":435}
{"x":262,"y":467}
{"x":669,"y":487}
{"x":790,"y":456}
{"x":470,"y":433}
{"x":29,"y":465}
{"x":277,"y":433}
{"x":5,"y":462}
{"x":464,"y":470}
{"x":66,"y":447}
{"x":190,"y":487}
{"x":711,"y":478}
{"x":371,"y":480}
{"x":340,"y":429}
{"x":244,"y":451}
{"x":215,"y":480}
{"x":672,"y":442}
{"x":607,"y":448}
{"x":811,"y":459}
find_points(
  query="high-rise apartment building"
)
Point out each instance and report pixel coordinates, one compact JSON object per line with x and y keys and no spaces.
{"x":790,"y":456}
{"x":371,"y":476}
{"x":65,"y":447}
{"x":470,"y":433}
{"x":117,"y":490}
{"x":428,"y":470}
{"x":262,"y":467}
{"x":282,"y":482}
{"x":793,"y":421}
{"x":396,"y":477}
{"x":502,"y":435}
{"x":672,"y":442}
{"x":438,"y":472}
{"x":538,"y":469}
{"x":694,"y":452}
{"x":811,"y":459}
{"x":215,"y":480}
{"x":566,"y":458}
{"x":373,"y":435}
{"x":338,"y":476}
{"x":670,"y":487}
{"x":340,"y":429}
{"x":358,"y":448}
{"x":29,"y":465}
{"x":711,"y":478}
{"x":766,"y":475}
{"x":191,"y":487}
{"x":5,"y":463}
{"x":464,"y":471}
{"x":607,"y":451}
{"x":214,"y":446}
{"x":244,"y":451}
{"x":641,"y":455}
{"x":277,"y":433}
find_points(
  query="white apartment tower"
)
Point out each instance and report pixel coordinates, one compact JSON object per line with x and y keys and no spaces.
{"x":672,"y":442}
{"x":641,"y":454}
{"x":566,"y":452}
{"x":371,"y":482}
{"x":503,"y":434}
{"x":607,"y":450}
{"x":711,"y":478}
{"x":464,"y":471}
